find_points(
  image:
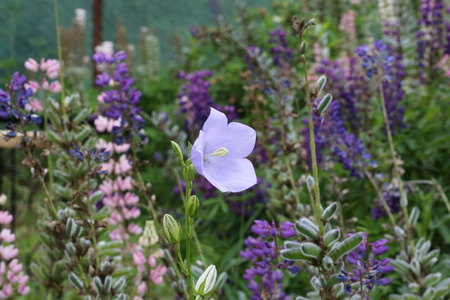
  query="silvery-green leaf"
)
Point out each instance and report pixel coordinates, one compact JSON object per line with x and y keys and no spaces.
{"x":444,"y":283}
{"x":330,"y":211}
{"x":346,"y":246}
{"x":401,"y":266}
{"x":414,"y":287}
{"x":54,"y":118}
{"x":121,"y":297}
{"x":395,"y":297}
{"x":292,"y":244}
{"x":107,"y":284}
{"x":309,"y":223}
{"x":415,"y":267}
{"x":96,"y":196}
{"x":399,"y":232}
{"x":414,"y":216}
{"x":78,"y":231}
{"x":87,"y":297}
{"x":430,"y":293}
{"x":38,"y":272}
{"x":411,"y":297}
{"x":98,"y":284}
{"x":81,"y":135}
{"x":325,"y":103}
{"x":295,"y":254}
{"x":82,"y":115}
{"x":432,"y":279}
{"x":331,"y":237}
{"x":110,"y":245}
{"x":311,"y":249}
{"x":310,"y":183}
{"x":75,"y":281}
{"x":305,"y":230}
{"x":58,"y":268}
{"x":427,"y":259}
{"x":301,"y":298}
{"x":70,"y":224}
{"x":53,"y":137}
{"x":441,"y":292}
{"x":70,"y":248}
{"x":327,"y":263}
{"x":425,"y":247}
{"x":315,"y":282}
{"x":355,"y":297}
{"x":118,"y":286}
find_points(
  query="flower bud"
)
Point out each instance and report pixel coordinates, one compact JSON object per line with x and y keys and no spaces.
{"x":177,"y":150}
{"x":303,"y":47}
{"x":2,"y":199}
{"x":172,"y":229}
{"x":323,"y":105}
{"x":310,"y":183}
{"x":192,"y":206}
{"x":207,"y":281}
{"x":189,"y":172}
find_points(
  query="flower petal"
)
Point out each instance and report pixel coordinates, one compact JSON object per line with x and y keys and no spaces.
{"x":197,"y":153}
{"x":237,"y":138}
{"x":228,"y":174}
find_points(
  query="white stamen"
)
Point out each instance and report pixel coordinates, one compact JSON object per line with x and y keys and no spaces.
{"x":219,"y":153}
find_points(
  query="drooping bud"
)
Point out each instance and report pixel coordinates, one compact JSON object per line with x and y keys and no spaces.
{"x":192,"y":206}
{"x":207,"y":281}
{"x":172,"y":229}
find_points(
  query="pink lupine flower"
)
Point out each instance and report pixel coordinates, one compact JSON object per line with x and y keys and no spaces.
{"x":32,"y":65}
{"x":139,"y":260}
{"x":117,"y":234}
{"x":132,"y":213}
{"x":45,"y":84}
{"x":134,"y":229}
{"x":131,"y":199}
{"x":123,"y":165}
{"x":108,"y":146}
{"x":124,"y":184}
{"x":159,"y":253}
{"x":52,"y":68}
{"x":43,"y":65}
{"x":142,"y":288}
{"x":23,"y":289}
{"x":151,"y":260}
{"x":6,"y":292}
{"x":34,"y":85}
{"x":55,"y":87}
{"x":121,"y":148}
{"x":100,"y":97}
{"x":8,"y":252}
{"x":5,"y":217}
{"x":101,"y":123}
{"x":34,"y":105}
{"x":7,"y":236}
{"x":115,"y":218}
{"x":157,"y":274}
{"x":15,"y":266}
{"x":108,"y":166}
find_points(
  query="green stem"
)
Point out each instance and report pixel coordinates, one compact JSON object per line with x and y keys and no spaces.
{"x":441,"y":192}
{"x":91,"y":221}
{"x":394,"y":157}
{"x":312,"y":144}
{"x":189,"y":228}
{"x":196,"y":240}
{"x":49,"y":158}
{"x":44,"y":186}
{"x":61,"y":67}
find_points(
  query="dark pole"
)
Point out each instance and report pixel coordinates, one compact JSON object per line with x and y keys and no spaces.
{"x":97,"y":31}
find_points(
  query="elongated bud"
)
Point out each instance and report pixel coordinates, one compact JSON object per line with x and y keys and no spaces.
{"x":192,"y":206}
{"x":323,"y":105}
{"x":414,"y":216}
{"x":207,"y":282}
{"x":189,"y":172}
{"x":178,"y":153}
{"x":172,"y":229}
{"x":320,"y":84}
{"x":303,"y":47}
{"x":310,"y":183}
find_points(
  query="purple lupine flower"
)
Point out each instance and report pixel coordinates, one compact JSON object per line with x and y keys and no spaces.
{"x":367,"y":269}
{"x":391,"y":195}
{"x":280,"y":51}
{"x":196,"y":101}
{"x":219,"y":153}
{"x":345,"y":147}
{"x":266,"y":272}
{"x":13,"y":101}
{"x":121,"y":100}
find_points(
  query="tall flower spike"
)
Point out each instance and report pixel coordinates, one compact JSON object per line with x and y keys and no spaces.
{"x":219,"y":153}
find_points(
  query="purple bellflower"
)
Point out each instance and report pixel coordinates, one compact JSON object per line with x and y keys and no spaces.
{"x":219,"y":153}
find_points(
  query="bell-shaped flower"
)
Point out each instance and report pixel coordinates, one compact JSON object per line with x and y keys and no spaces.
{"x":219,"y":153}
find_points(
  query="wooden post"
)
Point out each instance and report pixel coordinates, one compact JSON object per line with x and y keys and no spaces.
{"x":97,"y":31}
